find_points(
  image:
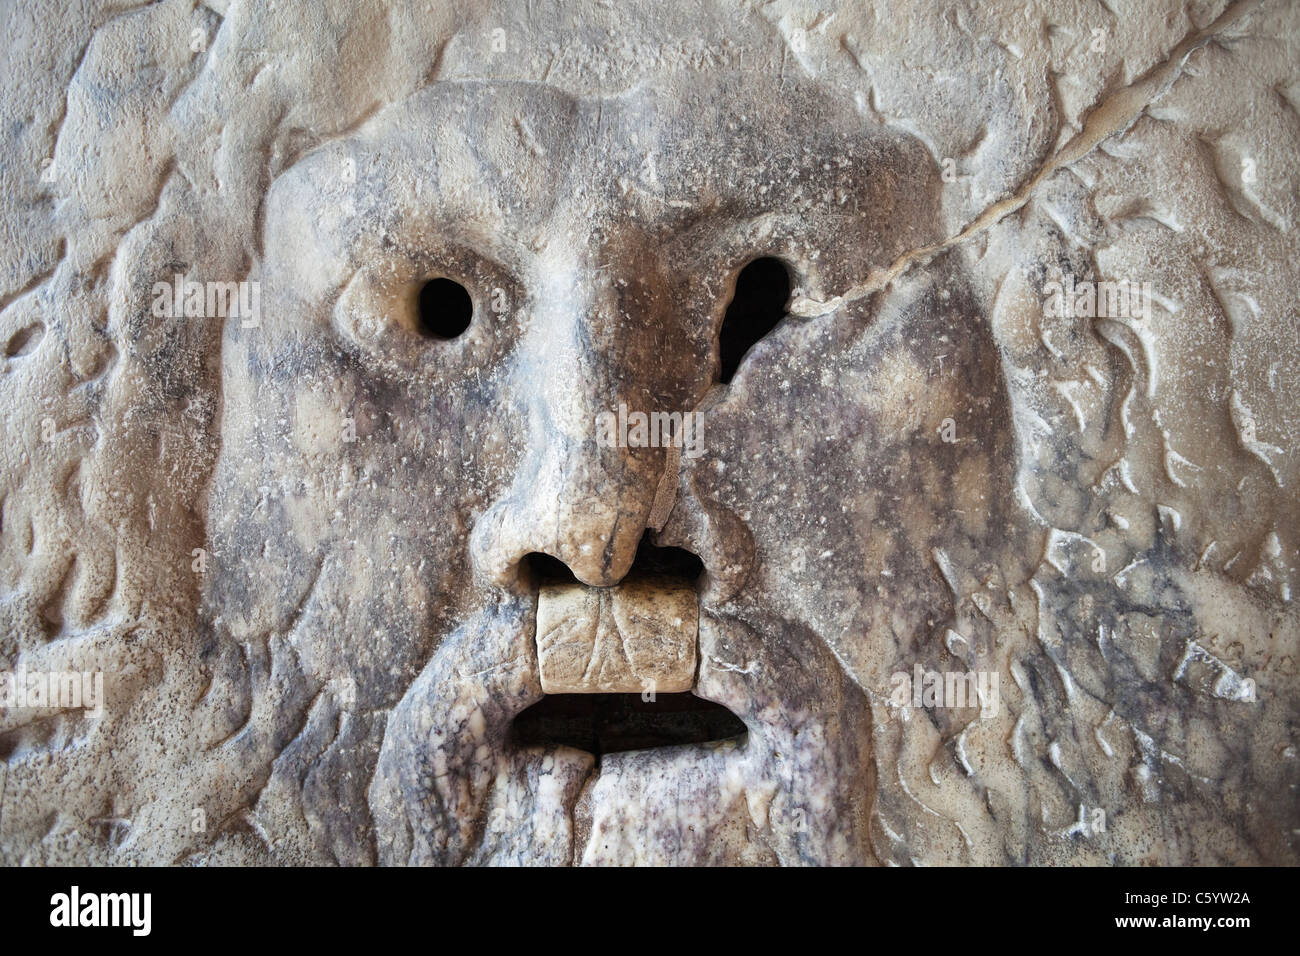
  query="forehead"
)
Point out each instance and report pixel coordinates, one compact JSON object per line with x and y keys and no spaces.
{"x":515,"y":162}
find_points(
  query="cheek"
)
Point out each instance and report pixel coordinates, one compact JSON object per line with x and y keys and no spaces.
{"x":343,"y":507}
{"x":906,"y":400}
{"x":928,"y":434}
{"x":321,"y":418}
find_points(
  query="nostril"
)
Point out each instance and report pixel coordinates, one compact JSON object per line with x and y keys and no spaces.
{"x":654,"y":561}
{"x":544,"y":569}
{"x":651,"y":561}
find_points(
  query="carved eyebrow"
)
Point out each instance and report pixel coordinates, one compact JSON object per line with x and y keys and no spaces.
{"x":745,"y":236}
{"x":441,"y":238}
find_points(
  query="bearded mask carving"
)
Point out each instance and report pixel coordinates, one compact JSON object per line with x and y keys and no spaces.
{"x":603,"y":445}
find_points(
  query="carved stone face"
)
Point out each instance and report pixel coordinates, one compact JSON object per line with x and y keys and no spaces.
{"x":364,"y":583}
{"x":404,"y":477}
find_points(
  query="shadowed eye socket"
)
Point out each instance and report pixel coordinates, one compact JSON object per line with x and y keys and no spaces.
{"x":762,"y":293}
{"x":445,"y":309}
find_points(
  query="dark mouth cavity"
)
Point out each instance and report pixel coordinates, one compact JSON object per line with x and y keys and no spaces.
{"x":611,"y":723}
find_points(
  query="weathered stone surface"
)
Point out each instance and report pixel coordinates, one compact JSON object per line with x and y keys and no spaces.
{"x":294,"y":542}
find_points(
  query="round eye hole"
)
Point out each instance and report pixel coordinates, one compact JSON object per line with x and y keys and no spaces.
{"x":762,"y":293}
{"x":445,"y":309}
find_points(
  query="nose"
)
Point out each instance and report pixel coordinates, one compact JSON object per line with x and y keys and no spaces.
{"x":575,"y":498}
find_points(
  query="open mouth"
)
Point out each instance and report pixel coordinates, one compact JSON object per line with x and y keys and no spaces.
{"x":642,"y":722}
{"x":618,"y":665}
{"x":612,"y":723}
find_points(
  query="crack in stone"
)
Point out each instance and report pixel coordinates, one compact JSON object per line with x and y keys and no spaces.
{"x":1115,"y":114}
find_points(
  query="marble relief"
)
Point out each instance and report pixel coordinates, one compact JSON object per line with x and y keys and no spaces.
{"x":572,"y":433}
